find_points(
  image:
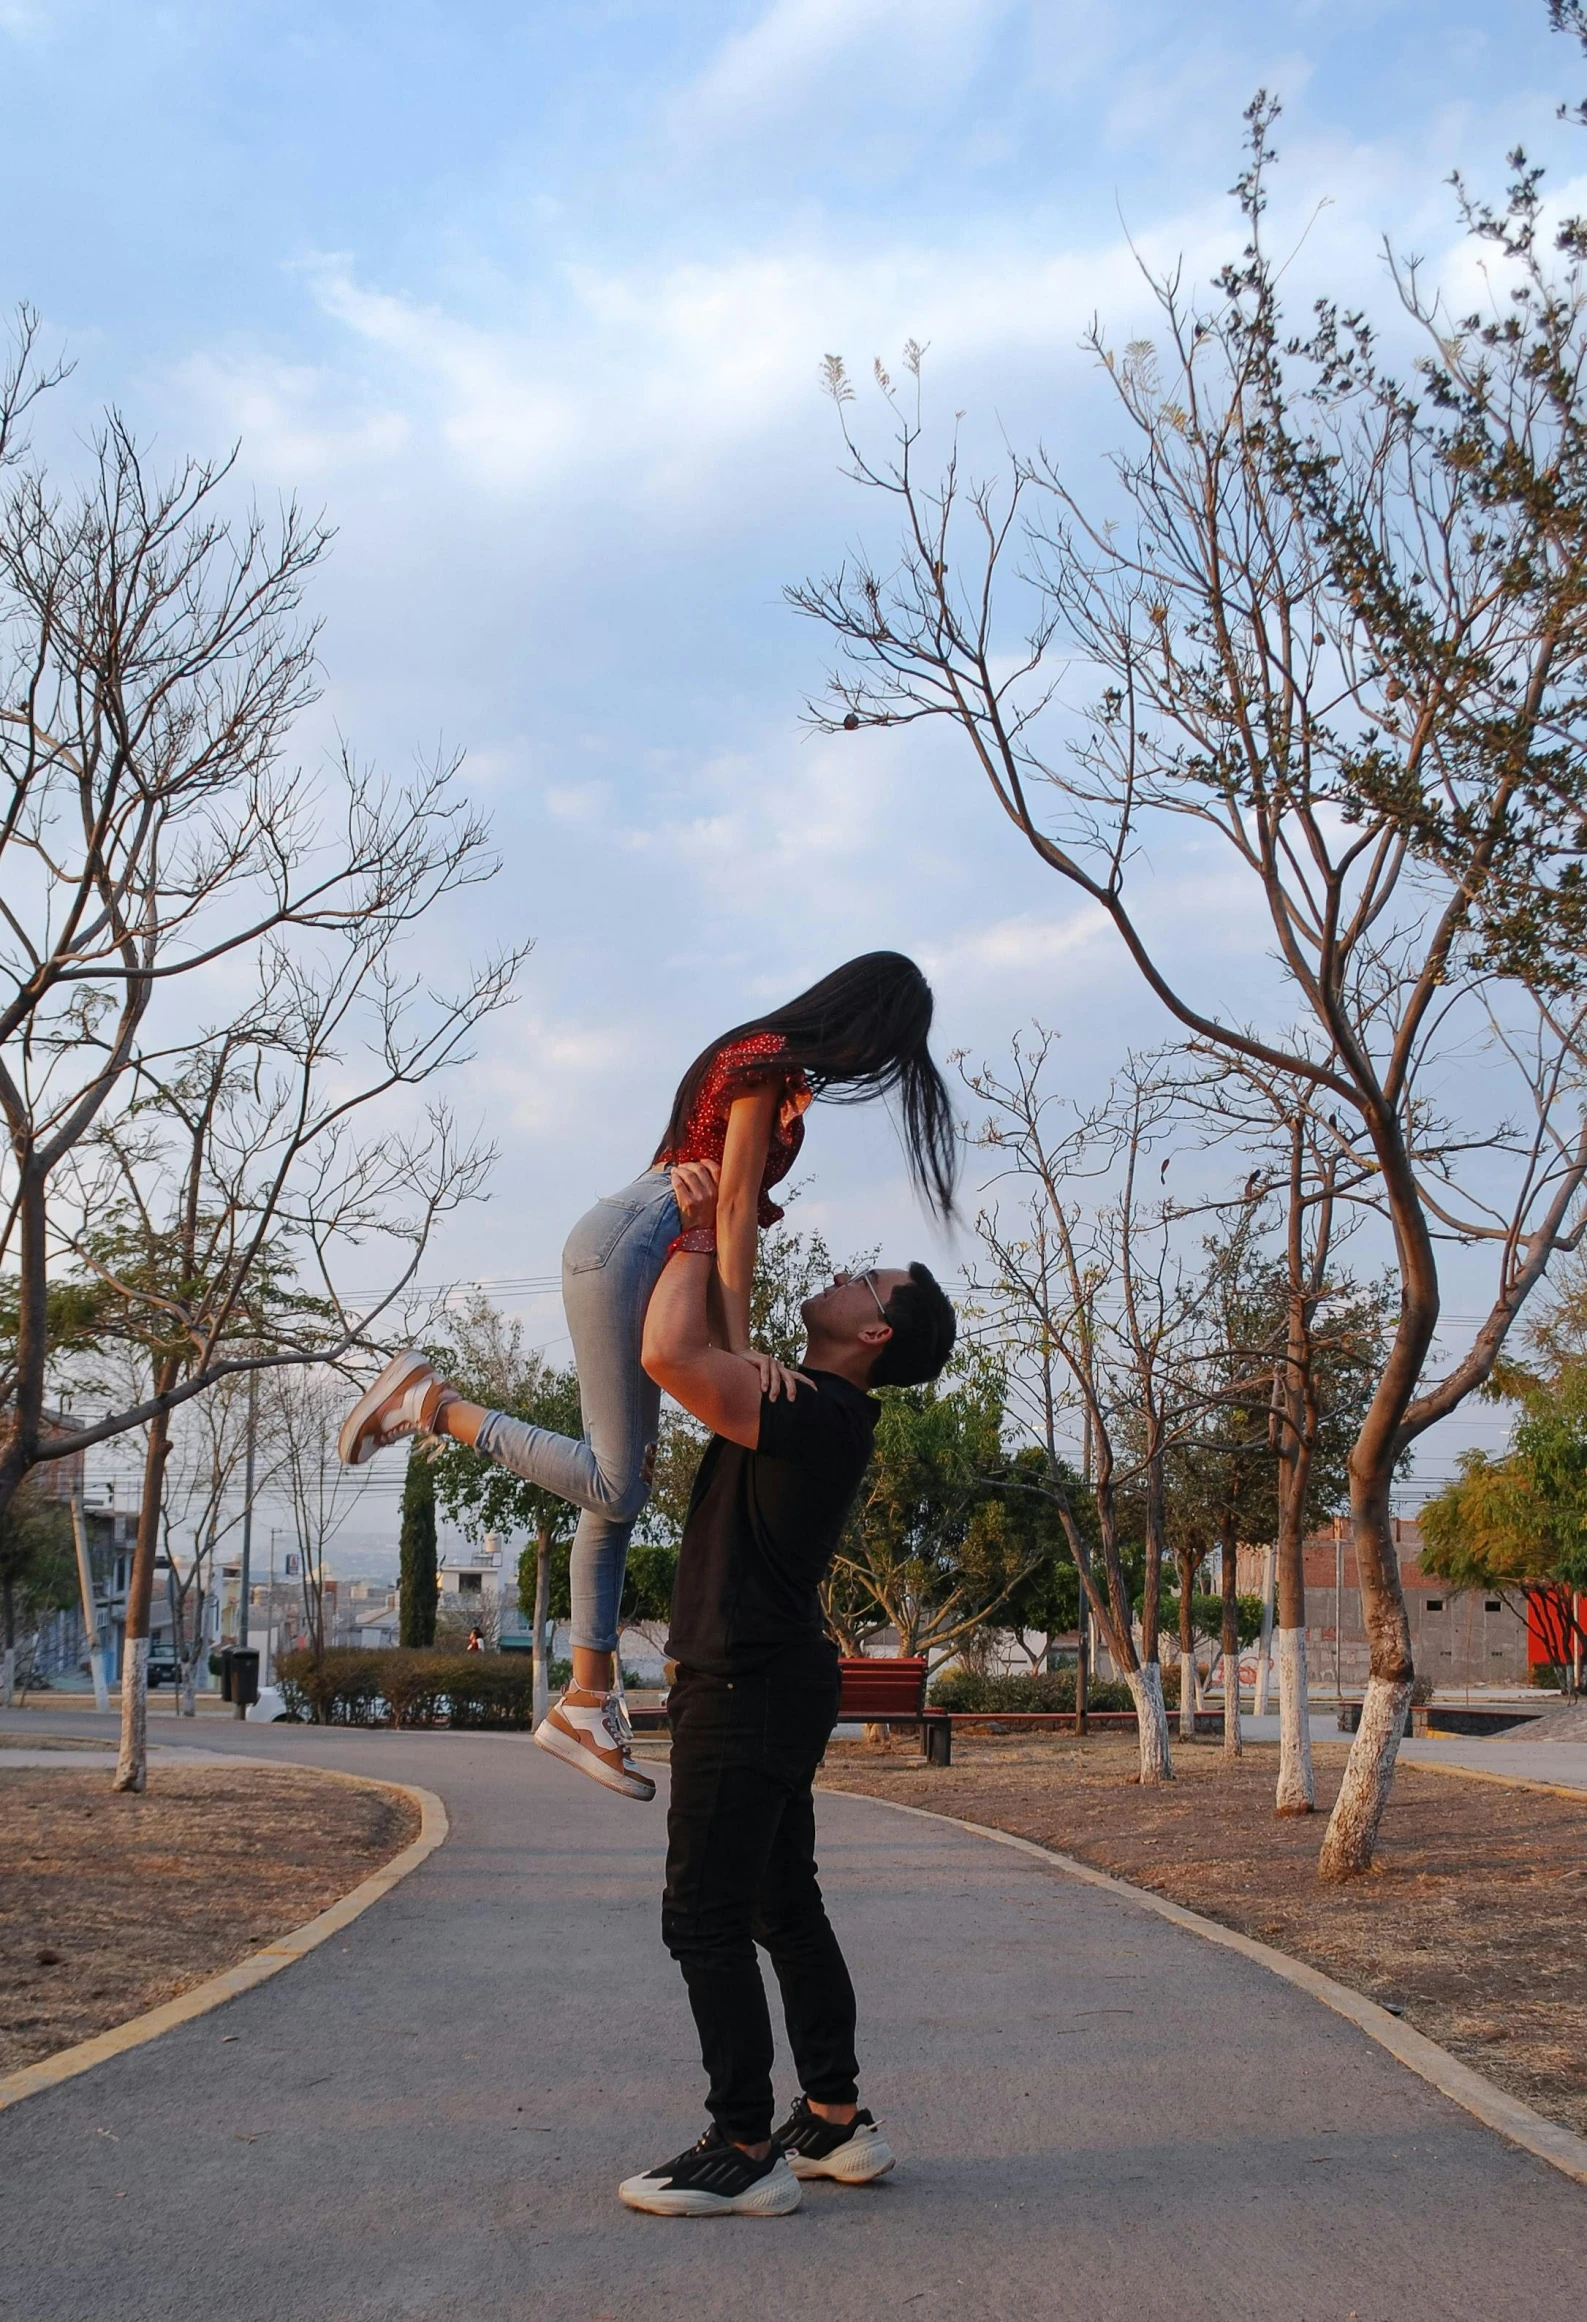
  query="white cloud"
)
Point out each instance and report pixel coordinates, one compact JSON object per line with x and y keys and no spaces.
{"x":804,"y":52}
{"x":296,"y":420}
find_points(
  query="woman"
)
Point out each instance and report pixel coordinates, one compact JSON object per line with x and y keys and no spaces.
{"x":859,"y":1033}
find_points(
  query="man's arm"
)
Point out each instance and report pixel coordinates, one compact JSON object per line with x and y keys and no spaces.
{"x":719,"y":1389}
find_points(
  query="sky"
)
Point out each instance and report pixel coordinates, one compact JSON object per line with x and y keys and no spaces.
{"x":532,"y":301}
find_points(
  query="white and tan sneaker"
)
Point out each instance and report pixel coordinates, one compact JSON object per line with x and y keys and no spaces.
{"x":589,"y":1730}
{"x":403,"y":1401}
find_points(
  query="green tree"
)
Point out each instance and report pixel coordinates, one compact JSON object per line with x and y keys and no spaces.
{"x":38,"y":1568}
{"x":933,"y":1549}
{"x":1517,"y":1525}
{"x":488,"y":1363}
{"x":1035,"y":1489}
{"x":417,"y":1550}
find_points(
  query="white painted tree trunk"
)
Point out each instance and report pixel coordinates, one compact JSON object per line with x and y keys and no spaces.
{"x":8,"y":1677}
{"x":132,"y":1767}
{"x":1146,"y":1691}
{"x":1297,"y":1791}
{"x":1188,"y":1690}
{"x":1369,"y":1772}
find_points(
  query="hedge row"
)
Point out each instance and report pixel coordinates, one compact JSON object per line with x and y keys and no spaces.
{"x":1052,"y":1689}
{"x":408,"y":1687}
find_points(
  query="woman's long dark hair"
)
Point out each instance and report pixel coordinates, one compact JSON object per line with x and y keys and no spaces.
{"x":859,"y":1033}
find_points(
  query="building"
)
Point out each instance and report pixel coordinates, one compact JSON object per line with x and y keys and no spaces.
{"x":1457,"y":1640}
{"x":379,"y":1629}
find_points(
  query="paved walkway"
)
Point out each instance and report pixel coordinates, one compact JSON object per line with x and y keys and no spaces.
{"x":1561,"y":1763}
{"x":1099,"y":2116}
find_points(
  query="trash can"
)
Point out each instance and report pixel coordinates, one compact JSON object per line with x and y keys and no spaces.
{"x":244,"y":1674}
{"x":220,"y":1666}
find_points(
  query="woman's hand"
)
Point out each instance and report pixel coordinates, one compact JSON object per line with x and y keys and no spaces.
{"x":775,"y":1378}
{"x":695,"y":1186}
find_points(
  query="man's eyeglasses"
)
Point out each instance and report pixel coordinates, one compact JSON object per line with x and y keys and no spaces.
{"x":867,"y":1279}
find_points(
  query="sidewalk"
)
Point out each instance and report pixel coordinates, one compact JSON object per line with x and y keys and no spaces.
{"x":1564,"y":1763}
{"x":1099,"y":2117}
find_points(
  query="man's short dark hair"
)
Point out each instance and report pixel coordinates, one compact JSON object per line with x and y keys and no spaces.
{"x":924,"y":1327}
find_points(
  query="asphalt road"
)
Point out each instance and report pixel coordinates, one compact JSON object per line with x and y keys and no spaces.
{"x":1097,"y":2115}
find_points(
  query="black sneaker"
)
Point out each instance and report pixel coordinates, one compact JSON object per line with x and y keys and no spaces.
{"x":853,"y":2152}
{"x":715,"y":2179}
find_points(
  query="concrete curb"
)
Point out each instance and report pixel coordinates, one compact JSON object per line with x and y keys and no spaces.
{"x":258,"y":1967}
{"x":1544,"y":2139}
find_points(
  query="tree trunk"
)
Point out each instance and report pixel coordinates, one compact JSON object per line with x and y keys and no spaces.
{"x":32,"y":1343}
{"x":1353,"y":1825}
{"x":1146,"y":1691}
{"x":540,"y":1662}
{"x":1297,"y":1791}
{"x":132,"y":1767}
{"x":1233,"y":1746}
{"x":1187,"y":1647}
{"x":1352,"y":1833}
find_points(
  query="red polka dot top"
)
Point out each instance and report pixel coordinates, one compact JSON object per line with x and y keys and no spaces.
{"x":734,"y":1071}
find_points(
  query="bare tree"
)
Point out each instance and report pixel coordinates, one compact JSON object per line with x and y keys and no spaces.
{"x":1326,"y":1335}
{"x":157,"y":850}
{"x":304,"y":1410}
{"x":200,"y":1510}
{"x":1339,"y":626}
{"x":1102,"y":1293}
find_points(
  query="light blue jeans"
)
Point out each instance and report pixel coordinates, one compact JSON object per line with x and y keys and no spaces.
{"x":611,"y":1264}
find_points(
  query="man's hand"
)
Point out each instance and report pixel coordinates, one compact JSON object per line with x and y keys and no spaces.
{"x":694,"y":1188}
{"x":775,"y":1378}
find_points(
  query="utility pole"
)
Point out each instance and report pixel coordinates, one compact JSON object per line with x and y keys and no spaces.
{"x":270,"y":1615}
{"x":247,"y":1506}
{"x":1269,"y":1585}
{"x":85,"y":1583}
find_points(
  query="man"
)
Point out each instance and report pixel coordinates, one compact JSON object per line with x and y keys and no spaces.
{"x":753,"y":1707}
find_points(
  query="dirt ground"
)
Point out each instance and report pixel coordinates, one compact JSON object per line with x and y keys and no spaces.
{"x":1473,"y":1924}
{"x":110,"y":1905}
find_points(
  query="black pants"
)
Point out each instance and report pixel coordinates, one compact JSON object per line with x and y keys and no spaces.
{"x":741,"y":1870}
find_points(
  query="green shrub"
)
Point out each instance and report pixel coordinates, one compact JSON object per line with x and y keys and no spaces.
{"x":1049,"y":1690}
{"x":409,"y":1688}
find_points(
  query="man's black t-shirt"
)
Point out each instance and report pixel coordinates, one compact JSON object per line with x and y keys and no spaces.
{"x":762,"y":1526}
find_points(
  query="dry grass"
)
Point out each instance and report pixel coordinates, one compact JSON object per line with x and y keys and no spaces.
{"x":1474,"y":1922}
{"x":110,"y":1905}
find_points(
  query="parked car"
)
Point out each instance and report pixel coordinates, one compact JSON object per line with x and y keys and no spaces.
{"x":164,"y":1667}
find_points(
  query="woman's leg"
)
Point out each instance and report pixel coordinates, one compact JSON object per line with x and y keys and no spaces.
{"x":609,"y":1268}
{"x":598,"y":1560}
{"x":605,"y":1300}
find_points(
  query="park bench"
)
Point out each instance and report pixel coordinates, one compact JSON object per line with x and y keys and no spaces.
{"x":893,"y":1692}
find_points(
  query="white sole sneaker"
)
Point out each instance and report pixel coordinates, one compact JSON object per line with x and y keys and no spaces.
{"x":866,"y":2155}
{"x":557,"y":1744}
{"x":358,"y":1441}
{"x":777,"y":2194}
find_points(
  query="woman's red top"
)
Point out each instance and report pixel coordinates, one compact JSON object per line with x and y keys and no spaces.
{"x":734,"y":1071}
